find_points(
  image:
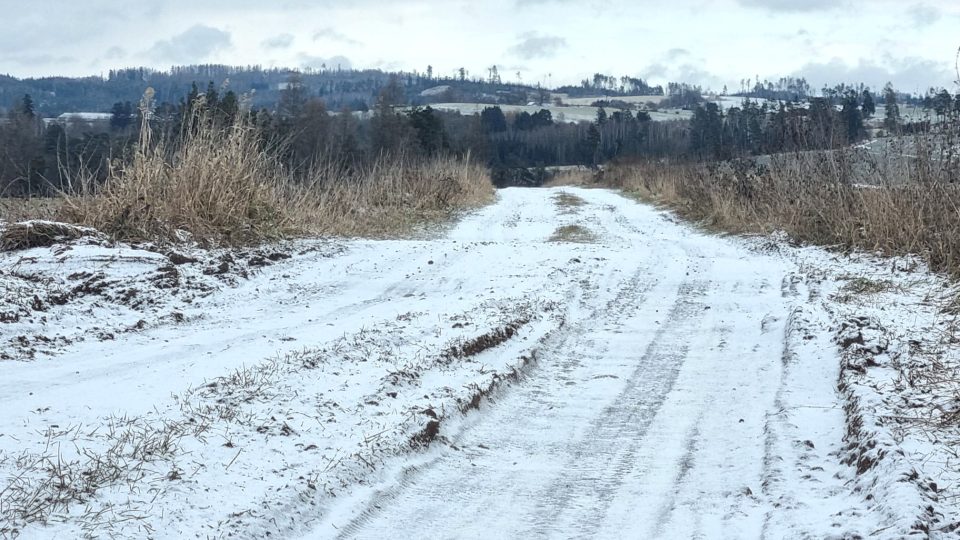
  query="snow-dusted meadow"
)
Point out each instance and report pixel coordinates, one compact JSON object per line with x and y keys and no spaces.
{"x":563,"y":363}
{"x":563,"y":113}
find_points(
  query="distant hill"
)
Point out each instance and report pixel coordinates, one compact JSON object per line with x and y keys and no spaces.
{"x":353,"y":89}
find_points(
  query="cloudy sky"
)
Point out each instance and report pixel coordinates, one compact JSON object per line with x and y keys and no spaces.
{"x":711,"y":42}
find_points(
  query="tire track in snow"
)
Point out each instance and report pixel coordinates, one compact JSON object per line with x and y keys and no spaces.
{"x":686,"y":463}
{"x":610,"y":445}
{"x":558,"y":351}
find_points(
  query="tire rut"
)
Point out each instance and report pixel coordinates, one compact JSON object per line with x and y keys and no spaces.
{"x":630,"y":294}
{"x":611,"y":443}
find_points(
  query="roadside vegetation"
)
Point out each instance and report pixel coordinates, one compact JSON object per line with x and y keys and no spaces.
{"x":772,"y":156}
{"x":222,"y":187}
{"x":895,"y":194}
{"x":891,"y":203}
{"x":222,"y":181}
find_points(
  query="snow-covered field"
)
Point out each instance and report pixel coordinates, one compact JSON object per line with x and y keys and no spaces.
{"x":571,"y":114}
{"x":639,"y":100}
{"x":563,"y":363}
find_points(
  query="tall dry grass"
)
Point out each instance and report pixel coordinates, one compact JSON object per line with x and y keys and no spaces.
{"x":222,"y":186}
{"x":911,"y":204}
{"x":17,"y":209}
{"x":390,"y":197}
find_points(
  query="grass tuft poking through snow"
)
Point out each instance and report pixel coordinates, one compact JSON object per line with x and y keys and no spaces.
{"x":576,"y":234}
{"x":568,"y":203}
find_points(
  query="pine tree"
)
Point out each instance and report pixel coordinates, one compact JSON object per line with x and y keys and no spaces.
{"x":212,"y":97}
{"x":601,"y":116}
{"x":27,"y":109}
{"x":493,"y":120}
{"x":852,"y":117}
{"x":429,"y":129}
{"x":229,"y":107}
{"x":591,"y":145}
{"x":892,"y":111}
{"x":121,"y":115}
{"x":942,"y":103}
{"x":867,"y":104}
{"x":292,"y":98}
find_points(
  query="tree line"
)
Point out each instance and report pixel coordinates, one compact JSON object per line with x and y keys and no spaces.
{"x":38,"y":157}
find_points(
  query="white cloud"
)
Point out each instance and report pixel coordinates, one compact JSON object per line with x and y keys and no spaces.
{"x":318,"y":62}
{"x":909,"y":74}
{"x":793,"y":5}
{"x":280,"y":41}
{"x":533,"y":45}
{"x":193,"y":45}
{"x":923,"y":15}
{"x":331,"y":34}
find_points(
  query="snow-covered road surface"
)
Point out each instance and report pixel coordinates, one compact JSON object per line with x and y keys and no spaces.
{"x":576,"y":366}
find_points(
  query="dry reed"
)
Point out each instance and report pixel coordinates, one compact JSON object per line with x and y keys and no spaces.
{"x":910,"y":207}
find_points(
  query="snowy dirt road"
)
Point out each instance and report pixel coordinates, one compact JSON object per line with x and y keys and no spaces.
{"x":561,"y":364}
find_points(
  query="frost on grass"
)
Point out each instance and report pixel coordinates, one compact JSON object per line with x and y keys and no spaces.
{"x":31,"y":234}
{"x":574,"y":234}
{"x":568,"y":203}
{"x":862,"y":288}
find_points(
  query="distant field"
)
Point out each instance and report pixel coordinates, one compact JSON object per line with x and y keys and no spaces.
{"x":628,"y":99}
{"x":571,"y":114}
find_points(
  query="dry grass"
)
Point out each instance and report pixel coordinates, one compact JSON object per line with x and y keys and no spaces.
{"x":568,"y":203}
{"x":222,"y":186}
{"x":217,"y":184}
{"x":14,"y":209}
{"x":860,"y":285}
{"x":32,"y":234}
{"x":390,"y":199}
{"x":862,"y":288}
{"x":128,"y":452}
{"x":575,"y":234}
{"x":809,"y":197}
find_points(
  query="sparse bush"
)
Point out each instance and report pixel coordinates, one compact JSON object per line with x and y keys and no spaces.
{"x":568,"y":203}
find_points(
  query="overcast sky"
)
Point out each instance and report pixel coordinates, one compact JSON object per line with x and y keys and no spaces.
{"x":710,"y":42}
